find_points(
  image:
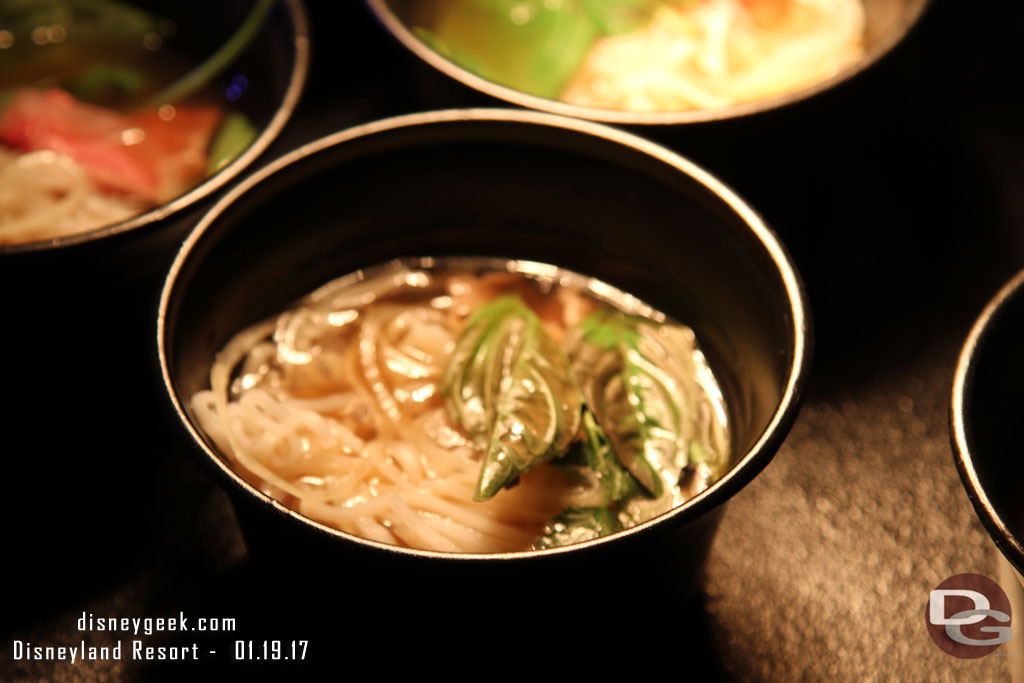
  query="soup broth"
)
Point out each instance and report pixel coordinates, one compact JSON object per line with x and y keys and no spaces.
{"x":469,"y":405}
{"x":644,"y":55}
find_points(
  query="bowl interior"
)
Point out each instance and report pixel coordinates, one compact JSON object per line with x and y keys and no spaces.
{"x":272,"y":69}
{"x":986,"y":416}
{"x":537,"y":188}
{"x":886,"y":22}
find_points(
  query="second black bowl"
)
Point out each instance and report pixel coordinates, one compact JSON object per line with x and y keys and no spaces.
{"x":986,"y":412}
{"x":886,"y":23}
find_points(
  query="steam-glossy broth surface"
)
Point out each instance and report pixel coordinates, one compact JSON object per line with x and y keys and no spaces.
{"x":338,"y":408}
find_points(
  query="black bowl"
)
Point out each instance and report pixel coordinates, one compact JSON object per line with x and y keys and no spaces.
{"x":77,"y":312}
{"x":275,"y":66}
{"x":886,"y":24}
{"x":988,"y":402}
{"x":511,"y":184}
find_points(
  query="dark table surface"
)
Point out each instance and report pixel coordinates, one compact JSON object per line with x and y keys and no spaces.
{"x":897,"y":197}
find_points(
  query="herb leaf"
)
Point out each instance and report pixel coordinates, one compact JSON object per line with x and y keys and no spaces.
{"x":236,"y":133}
{"x":640,"y":379}
{"x":108,"y":81}
{"x":528,"y":45}
{"x":616,"y":480}
{"x":578,"y":524}
{"x":509,"y":385}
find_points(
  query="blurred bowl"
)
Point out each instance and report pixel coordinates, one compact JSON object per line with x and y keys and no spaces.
{"x":77,"y":314}
{"x":986,"y":410}
{"x":274,"y":66}
{"x":510,"y":184}
{"x":886,"y":24}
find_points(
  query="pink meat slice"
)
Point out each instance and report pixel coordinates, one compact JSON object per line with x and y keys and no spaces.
{"x":139,"y":154}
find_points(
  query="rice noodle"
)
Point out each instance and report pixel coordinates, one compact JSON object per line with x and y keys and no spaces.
{"x":45,"y":195}
{"x":714,"y":53}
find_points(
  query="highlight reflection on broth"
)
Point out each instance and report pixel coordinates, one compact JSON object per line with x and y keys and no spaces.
{"x":644,"y":55}
{"x":469,"y":405}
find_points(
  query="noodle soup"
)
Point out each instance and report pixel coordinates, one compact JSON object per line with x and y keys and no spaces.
{"x":514,"y":183}
{"x":644,"y":55}
{"x":108,"y":111}
{"x":469,"y":405}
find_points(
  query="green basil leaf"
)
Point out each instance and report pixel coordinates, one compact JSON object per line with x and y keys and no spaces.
{"x":106,"y":81}
{"x":578,"y":524}
{"x":236,"y":133}
{"x":600,"y":456}
{"x":647,"y":384}
{"x":509,"y":385}
{"x":530,"y":45}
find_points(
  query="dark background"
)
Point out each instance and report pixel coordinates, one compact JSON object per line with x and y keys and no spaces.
{"x":898,"y":197}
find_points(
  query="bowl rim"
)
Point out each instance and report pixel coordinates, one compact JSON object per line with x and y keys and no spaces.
{"x":300,"y":42}
{"x":961,"y":433}
{"x":381,"y":9}
{"x":740,"y":473}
